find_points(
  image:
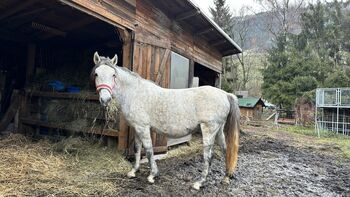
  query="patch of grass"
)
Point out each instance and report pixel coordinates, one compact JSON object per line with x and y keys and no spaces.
{"x":326,"y":137}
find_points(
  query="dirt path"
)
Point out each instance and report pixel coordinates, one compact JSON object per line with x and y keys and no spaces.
{"x":268,"y":166}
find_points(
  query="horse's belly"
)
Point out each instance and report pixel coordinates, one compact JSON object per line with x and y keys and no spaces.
{"x":176,"y":129}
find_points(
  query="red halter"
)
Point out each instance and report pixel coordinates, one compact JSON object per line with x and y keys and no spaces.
{"x":106,"y":86}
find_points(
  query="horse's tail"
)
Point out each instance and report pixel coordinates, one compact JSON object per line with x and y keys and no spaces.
{"x":232,"y":135}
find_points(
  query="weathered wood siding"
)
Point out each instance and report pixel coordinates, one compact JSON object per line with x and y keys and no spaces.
{"x":120,"y":12}
{"x":155,"y":27}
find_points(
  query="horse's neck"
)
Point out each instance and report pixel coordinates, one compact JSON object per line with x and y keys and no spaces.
{"x":129,"y":87}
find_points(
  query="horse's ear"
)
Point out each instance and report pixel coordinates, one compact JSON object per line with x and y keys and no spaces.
{"x":97,"y":58}
{"x":114,"y":60}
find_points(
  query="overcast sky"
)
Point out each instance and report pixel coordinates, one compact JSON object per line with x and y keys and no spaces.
{"x":235,"y":5}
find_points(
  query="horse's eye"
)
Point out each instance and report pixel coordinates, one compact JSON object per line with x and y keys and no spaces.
{"x":114,"y":75}
{"x":95,"y":74}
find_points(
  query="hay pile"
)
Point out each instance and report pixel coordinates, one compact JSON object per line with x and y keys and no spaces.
{"x":75,"y":166}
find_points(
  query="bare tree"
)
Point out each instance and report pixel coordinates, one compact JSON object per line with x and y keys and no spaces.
{"x":240,"y":31}
{"x":283,"y":15}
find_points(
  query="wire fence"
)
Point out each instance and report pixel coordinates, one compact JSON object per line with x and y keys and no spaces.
{"x":333,"y":110}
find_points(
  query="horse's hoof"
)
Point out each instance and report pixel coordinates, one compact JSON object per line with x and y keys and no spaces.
{"x":197,"y":185}
{"x":131,"y":174}
{"x":150,"y":179}
{"x":226,"y":180}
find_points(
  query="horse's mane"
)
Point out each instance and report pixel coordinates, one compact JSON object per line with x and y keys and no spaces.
{"x":106,"y":61}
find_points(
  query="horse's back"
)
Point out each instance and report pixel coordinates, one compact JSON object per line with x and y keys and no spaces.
{"x":211,"y":103}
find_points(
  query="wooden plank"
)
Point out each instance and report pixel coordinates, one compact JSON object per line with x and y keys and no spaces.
{"x":156,"y":62}
{"x":152,"y":65}
{"x":149,"y":62}
{"x":64,"y":95}
{"x":96,"y":9}
{"x":11,"y":111}
{"x":144,"y":61}
{"x":191,"y":74}
{"x":162,"y":66}
{"x":136,"y":57}
{"x":123,"y":134}
{"x":99,"y":131}
{"x":186,"y":15}
{"x":139,"y":68}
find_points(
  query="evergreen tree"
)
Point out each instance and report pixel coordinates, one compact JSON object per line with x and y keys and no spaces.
{"x":317,"y":57}
{"x":222,"y":15}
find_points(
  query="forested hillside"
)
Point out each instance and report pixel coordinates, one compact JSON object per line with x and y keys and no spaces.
{"x":289,"y":50}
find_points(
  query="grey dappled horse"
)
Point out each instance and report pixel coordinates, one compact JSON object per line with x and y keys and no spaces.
{"x":172,"y":112}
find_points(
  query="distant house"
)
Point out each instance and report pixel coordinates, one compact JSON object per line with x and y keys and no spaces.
{"x":251,"y":108}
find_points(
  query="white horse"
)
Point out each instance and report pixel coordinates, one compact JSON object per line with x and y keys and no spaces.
{"x":172,"y":112}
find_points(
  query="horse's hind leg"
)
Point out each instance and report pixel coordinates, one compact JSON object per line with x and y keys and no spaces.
{"x":144,"y":134}
{"x":138,"y":146}
{"x":222,"y":143}
{"x":220,"y":137}
{"x":209,"y":132}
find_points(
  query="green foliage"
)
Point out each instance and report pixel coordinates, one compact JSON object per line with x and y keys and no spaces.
{"x":338,"y":78}
{"x":317,"y":57}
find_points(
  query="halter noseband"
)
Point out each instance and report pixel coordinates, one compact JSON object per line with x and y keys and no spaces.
{"x":105,"y":86}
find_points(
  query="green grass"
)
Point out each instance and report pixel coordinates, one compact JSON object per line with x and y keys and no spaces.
{"x":326,"y":137}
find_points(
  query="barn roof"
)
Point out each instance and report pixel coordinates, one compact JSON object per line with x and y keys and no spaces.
{"x":187,"y":12}
{"x":250,"y":102}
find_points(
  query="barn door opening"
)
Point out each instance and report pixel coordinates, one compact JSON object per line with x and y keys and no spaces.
{"x":206,"y":75}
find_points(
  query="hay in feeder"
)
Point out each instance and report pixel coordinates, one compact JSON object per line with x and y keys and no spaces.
{"x":72,"y":167}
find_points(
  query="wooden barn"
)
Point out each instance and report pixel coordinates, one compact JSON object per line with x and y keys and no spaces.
{"x":251,"y":108}
{"x":46,"y":55}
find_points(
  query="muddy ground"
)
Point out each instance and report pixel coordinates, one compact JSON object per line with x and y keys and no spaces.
{"x":270,"y":164}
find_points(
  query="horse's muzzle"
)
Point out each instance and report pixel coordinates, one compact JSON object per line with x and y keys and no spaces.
{"x":105,"y":97}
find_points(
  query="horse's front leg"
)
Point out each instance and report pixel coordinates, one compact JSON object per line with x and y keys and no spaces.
{"x":138,"y":146}
{"x":144,"y":134}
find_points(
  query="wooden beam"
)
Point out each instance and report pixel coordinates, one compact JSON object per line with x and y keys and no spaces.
{"x":204,"y":31}
{"x":15,"y":9}
{"x":73,"y":25}
{"x":187,"y":15}
{"x":217,"y":42}
{"x":48,"y":29}
{"x":64,"y":95}
{"x":98,"y":131}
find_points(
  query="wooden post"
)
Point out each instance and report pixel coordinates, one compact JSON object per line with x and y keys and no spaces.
{"x":124,"y":138}
{"x":191,"y":73}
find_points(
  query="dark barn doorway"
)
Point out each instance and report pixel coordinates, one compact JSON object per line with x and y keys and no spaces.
{"x":48,"y":40}
{"x":206,"y":76}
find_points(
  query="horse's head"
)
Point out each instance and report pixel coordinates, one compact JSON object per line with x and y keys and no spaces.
{"x":104,"y":74}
